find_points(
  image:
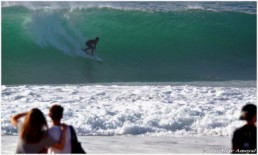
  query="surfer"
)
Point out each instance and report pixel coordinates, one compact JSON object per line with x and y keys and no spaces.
{"x":91,"y":44}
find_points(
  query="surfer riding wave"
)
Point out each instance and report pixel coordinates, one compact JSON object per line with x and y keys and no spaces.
{"x":91,"y":44}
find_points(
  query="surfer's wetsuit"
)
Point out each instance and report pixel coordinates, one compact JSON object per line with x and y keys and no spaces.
{"x":91,"y":44}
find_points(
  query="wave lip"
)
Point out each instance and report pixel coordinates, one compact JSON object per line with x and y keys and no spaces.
{"x":244,"y":7}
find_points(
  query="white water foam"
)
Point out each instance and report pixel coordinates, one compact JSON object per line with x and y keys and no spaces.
{"x":244,"y":7}
{"x":120,"y":110}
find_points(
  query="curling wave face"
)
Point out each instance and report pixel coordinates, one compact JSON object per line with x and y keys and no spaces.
{"x":139,"y":42}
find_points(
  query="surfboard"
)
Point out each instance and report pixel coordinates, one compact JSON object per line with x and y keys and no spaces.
{"x":93,"y":57}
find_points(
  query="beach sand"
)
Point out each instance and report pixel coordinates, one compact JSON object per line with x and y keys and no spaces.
{"x":141,"y":144}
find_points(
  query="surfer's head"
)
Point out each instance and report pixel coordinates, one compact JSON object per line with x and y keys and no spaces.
{"x":97,"y":39}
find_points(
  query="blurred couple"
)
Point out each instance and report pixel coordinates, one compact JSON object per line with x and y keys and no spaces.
{"x":36,"y":137}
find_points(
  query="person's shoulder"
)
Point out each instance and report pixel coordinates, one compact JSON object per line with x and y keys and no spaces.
{"x":69,"y":128}
{"x":248,"y":127}
{"x":54,"y":128}
{"x":238,"y":131}
{"x":54,"y":132}
{"x":244,"y":129}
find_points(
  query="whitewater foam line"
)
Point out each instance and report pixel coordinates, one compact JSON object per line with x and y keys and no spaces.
{"x":247,"y":7}
{"x":137,"y":110}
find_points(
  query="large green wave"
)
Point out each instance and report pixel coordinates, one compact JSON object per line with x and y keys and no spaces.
{"x":43,"y":47}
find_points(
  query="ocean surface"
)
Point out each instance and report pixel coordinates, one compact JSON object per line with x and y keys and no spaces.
{"x":139,"y":42}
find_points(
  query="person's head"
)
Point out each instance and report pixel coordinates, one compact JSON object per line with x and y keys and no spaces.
{"x":34,"y":127}
{"x":249,"y":113}
{"x":56,"y":112}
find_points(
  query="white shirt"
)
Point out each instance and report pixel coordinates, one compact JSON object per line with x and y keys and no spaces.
{"x":55,"y":132}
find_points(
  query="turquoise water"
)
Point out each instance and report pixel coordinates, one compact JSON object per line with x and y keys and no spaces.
{"x":165,"y":44}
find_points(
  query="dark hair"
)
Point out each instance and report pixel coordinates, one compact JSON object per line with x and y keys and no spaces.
{"x":34,"y":127}
{"x":56,"y":112}
{"x":97,"y":38}
{"x":249,"y":111}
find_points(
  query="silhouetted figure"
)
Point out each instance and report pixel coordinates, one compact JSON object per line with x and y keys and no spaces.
{"x":244,"y":138}
{"x":91,"y":44}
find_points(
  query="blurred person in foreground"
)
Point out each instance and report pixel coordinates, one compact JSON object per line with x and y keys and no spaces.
{"x":56,"y":114}
{"x":244,"y":138}
{"x":33,"y":133}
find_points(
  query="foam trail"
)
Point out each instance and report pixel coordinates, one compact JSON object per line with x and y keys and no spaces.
{"x":146,"y":6}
